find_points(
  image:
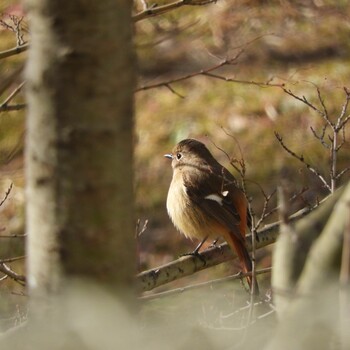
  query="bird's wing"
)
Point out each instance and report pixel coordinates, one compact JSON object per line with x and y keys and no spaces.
{"x":212,"y":194}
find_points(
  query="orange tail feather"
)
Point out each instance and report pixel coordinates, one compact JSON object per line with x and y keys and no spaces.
{"x":242,"y":252}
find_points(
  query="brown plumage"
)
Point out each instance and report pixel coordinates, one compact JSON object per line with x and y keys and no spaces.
{"x":204,"y":200}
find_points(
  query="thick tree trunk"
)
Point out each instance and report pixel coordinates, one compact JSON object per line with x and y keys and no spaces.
{"x":80,"y":76}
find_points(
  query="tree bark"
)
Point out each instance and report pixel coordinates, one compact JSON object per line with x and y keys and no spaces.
{"x":81,"y":77}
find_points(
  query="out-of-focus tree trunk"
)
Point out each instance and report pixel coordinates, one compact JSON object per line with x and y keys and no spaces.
{"x":292,"y":251}
{"x":80,"y":76}
{"x":312,"y":316}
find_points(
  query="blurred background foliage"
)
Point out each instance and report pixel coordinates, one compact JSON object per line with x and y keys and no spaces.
{"x":302,"y":44}
{"x":297,"y":43}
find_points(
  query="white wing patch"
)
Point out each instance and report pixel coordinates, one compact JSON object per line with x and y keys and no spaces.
{"x":214,"y":197}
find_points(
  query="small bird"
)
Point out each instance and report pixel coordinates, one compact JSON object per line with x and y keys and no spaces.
{"x":204,"y":200}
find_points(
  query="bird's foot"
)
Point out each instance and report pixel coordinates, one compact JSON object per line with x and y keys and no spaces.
{"x":195,"y":254}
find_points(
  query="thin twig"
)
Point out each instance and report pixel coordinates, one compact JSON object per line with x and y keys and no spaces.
{"x":325,"y":111}
{"x":140,"y":231}
{"x":341,"y":122}
{"x":264,"y":213}
{"x":12,"y":95}
{"x":13,"y":236}
{"x":342,"y":173}
{"x":344,"y":121}
{"x":7,"y":193}
{"x":15,"y":27}
{"x":335,"y":142}
{"x":12,"y":274}
{"x":227,"y":61}
{"x":343,"y":140}
{"x":302,"y":160}
{"x":8,"y":80}
{"x":12,"y":108}
{"x":290,"y":199}
{"x":239,"y":81}
{"x":304,"y":100}
{"x":173,"y":91}
{"x":8,"y":260}
{"x":321,"y":136}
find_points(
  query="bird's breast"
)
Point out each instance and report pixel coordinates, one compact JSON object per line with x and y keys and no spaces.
{"x":184,"y":214}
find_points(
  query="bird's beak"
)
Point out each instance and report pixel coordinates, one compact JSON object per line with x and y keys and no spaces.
{"x":170,"y":156}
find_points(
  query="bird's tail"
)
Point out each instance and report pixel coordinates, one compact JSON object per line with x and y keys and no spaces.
{"x":246,"y":262}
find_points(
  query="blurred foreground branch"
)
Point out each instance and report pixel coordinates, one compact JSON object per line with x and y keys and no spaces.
{"x":315,"y":311}
{"x":292,"y":250}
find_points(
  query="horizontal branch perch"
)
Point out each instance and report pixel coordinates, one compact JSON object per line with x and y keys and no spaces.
{"x":211,"y":283}
{"x":188,"y":265}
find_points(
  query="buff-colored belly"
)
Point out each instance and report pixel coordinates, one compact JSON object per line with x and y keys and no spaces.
{"x":185,"y":217}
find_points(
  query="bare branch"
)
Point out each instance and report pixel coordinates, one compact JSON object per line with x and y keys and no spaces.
{"x":140,"y":230}
{"x":248,"y":82}
{"x":7,"y":193}
{"x":321,"y":136}
{"x":241,"y":167}
{"x":343,"y":140}
{"x":188,"y":265}
{"x":173,"y":91}
{"x":3,"y":278}
{"x":341,"y":122}
{"x":14,"y":51}
{"x":159,"y":10}
{"x":239,"y":275}
{"x":227,"y":61}
{"x":12,"y":108}
{"x":13,"y":236}
{"x":265,"y":213}
{"x":233,"y":161}
{"x":7,"y":81}
{"x":302,"y":160}
{"x":12,"y":95}
{"x":12,"y":274}
{"x":8,"y":260}
{"x":304,"y":100}
{"x":15,"y":27}
{"x":342,"y":173}
{"x":326,"y":115}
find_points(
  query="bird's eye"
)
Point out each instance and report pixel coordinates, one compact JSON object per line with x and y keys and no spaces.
{"x":178,"y":156}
